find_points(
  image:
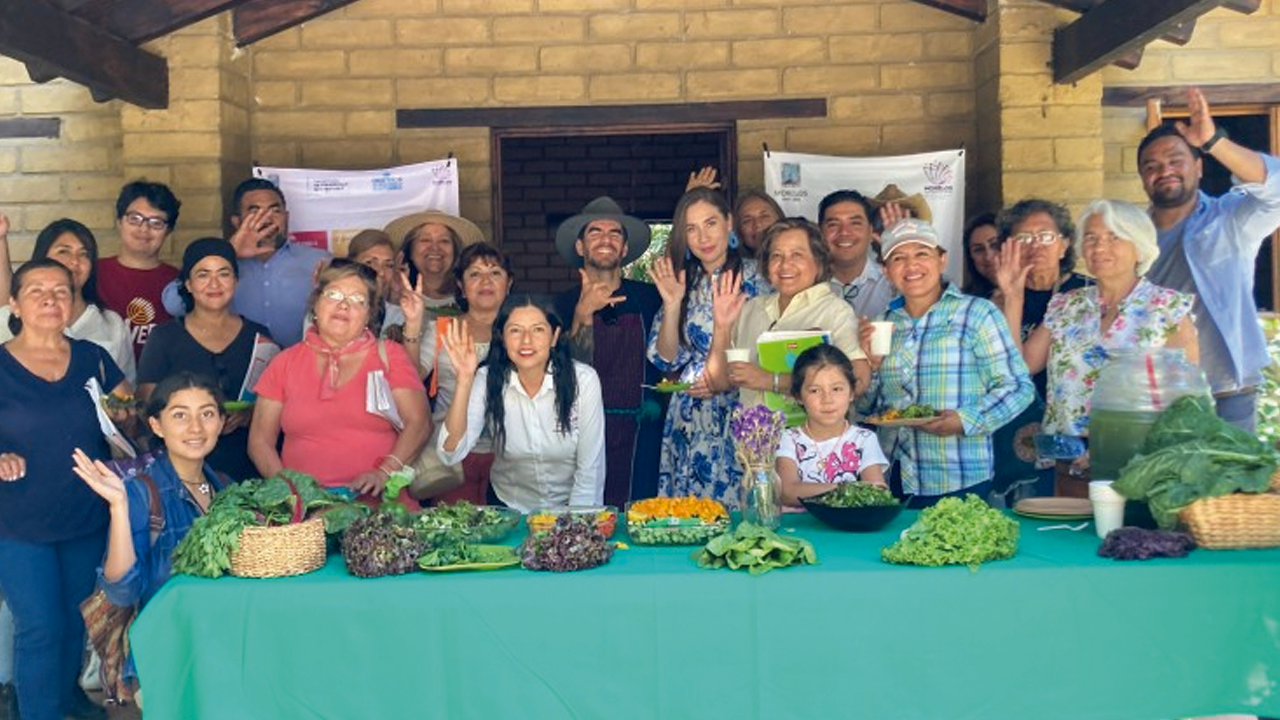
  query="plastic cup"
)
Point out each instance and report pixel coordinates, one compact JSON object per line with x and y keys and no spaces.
{"x":1108,"y":507}
{"x":738,"y":355}
{"x":881,"y":337}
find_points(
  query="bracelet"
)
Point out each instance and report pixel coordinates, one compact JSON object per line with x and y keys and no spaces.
{"x":415,"y":338}
{"x":1218,"y":134}
{"x":775,"y":382}
{"x":393,"y":457}
{"x":385,"y":474}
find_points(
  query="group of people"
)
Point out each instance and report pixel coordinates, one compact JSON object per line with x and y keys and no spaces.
{"x":412,"y":353}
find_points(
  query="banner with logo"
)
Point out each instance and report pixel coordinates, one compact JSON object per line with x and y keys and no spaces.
{"x":930,"y":184}
{"x":328,"y":207}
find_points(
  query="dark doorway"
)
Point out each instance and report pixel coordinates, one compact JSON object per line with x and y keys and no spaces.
{"x":543,"y":177}
{"x":1251,"y":131}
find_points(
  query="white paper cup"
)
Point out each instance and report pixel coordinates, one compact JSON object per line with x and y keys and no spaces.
{"x":1108,"y":507}
{"x":881,"y":337}
{"x":738,"y":354}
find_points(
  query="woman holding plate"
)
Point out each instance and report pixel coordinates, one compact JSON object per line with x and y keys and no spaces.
{"x":210,"y":340}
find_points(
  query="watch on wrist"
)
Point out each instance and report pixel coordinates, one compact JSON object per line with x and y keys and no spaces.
{"x":1218,"y":134}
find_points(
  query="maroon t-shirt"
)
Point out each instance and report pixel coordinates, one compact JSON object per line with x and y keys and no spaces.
{"x":135,"y":295}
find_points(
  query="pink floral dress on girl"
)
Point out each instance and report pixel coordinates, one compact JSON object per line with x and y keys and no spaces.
{"x":837,"y":460}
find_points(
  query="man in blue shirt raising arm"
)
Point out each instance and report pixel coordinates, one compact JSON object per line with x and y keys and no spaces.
{"x":1208,"y":247}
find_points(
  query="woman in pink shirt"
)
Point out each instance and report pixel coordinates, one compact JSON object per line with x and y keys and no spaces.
{"x":315,"y":392}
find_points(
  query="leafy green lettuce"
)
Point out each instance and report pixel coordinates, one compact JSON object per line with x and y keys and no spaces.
{"x":956,"y":532}
{"x":756,"y":549}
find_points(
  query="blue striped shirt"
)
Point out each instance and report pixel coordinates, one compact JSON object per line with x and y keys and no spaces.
{"x":958,"y":356}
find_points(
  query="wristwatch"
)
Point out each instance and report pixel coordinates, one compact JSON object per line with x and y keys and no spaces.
{"x":1218,"y":134}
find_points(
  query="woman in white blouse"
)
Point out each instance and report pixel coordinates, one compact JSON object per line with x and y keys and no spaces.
{"x":542,"y":410}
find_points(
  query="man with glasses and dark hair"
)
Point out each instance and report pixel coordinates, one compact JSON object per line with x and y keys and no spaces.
{"x":1208,"y":246}
{"x":850,"y":224}
{"x":609,"y":319}
{"x":133,"y":282}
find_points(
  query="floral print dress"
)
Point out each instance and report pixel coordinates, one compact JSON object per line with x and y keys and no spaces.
{"x":697,"y":449}
{"x":1078,"y":347}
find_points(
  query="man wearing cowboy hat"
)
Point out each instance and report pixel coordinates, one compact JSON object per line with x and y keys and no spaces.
{"x":849,"y":225}
{"x":609,"y":319}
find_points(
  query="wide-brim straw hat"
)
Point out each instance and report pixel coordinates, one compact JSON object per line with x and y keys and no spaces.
{"x":603,"y":208}
{"x":468,"y":232}
{"x":916,"y":203}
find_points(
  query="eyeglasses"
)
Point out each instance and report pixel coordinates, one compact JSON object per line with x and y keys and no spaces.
{"x":338,"y":297}
{"x":1092,"y":239}
{"x":137,"y":219}
{"x":1044,"y":237}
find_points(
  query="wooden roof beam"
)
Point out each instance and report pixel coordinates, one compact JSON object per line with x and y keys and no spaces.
{"x":1115,"y":28}
{"x":141,"y":20}
{"x":257,"y":19}
{"x":969,"y":9}
{"x":53,"y":41}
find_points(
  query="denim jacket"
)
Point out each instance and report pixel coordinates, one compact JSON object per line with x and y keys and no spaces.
{"x":1221,"y":239}
{"x":154,"y":561}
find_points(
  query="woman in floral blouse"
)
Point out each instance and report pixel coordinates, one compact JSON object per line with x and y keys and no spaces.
{"x":1118,"y":243}
{"x":697,"y":451}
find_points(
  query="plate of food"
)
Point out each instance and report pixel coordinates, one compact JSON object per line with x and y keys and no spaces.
{"x":237,"y":405}
{"x":472,"y":557}
{"x":910,"y":416}
{"x":667,"y":386}
{"x":1054,"y":508}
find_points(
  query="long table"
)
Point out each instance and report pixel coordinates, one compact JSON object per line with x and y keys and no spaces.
{"x":1056,"y":633}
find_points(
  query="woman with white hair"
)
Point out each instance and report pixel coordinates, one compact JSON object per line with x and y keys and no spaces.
{"x":1118,"y":243}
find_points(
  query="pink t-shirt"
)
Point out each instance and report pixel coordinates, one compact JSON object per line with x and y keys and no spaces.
{"x":135,"y":295}
{"x":333,"y":440}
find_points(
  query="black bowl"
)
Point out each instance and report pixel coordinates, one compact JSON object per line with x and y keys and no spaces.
{"x":852,"y":519}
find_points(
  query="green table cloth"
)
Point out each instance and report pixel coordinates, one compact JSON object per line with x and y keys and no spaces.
{"x":1055,"y":633}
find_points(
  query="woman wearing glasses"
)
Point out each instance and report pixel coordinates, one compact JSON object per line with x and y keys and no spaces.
{"x":211,"y":341}
{"x":75,"y":248}
{"x":315,"y":393}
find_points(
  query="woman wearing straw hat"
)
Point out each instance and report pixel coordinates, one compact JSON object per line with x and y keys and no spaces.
{"x":431,"y":242}
{"x":1124,"y":310}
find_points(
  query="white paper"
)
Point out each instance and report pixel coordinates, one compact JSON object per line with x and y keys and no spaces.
{"x":378,"y":400}
{"x":263,"y":351}
{"x":109,"y":429}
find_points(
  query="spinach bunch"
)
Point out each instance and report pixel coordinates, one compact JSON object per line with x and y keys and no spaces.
{"x":756,"y":549}
{"x":856,"y":494}
{"x":287,"y":497}
{"x":1190,"y":454}
{"x":956,"y":532}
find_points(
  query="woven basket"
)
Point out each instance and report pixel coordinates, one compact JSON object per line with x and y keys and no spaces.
{"x":280,"y":550}
{"x":1240,"y":520}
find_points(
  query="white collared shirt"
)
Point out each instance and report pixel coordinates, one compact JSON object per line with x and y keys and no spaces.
{"x":869,"y":293}
{"x":538,"y":466}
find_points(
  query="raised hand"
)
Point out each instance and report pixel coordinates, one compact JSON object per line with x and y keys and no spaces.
{"x":411,"y":303}
{"x":596,"y":296}
{"x":461,"y":348}
{"x":727,"y":300}
{"x":1199,"y":126}
{"x":99,"y":478}
{"x":670,"y":284}
{"x":254,"y":237}
{"x":891,"y":213}
{"x":1011,"y":270}
{"x":706,"y":177}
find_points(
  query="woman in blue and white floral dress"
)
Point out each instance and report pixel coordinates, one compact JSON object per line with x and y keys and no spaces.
{"x":697,"y":450}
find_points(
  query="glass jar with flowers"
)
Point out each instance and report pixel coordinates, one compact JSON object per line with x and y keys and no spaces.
{"x":756,"y":431}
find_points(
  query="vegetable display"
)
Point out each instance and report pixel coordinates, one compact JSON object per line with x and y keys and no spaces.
{"x":856,"y":494}
{"x":288,"y":497}
{"x":572,"y":543}
{"x":914,"y":410}
{"x":756,"y":549}
{"x":457,"y":553}
{"x":475,"y":522}
{"x":956,"y":532}
{"x":1190,"y":454}
{"x":381,"y":544}
{"x":676,"y":521}
{"x":1132,"y":543}
{"x":605,"y":518}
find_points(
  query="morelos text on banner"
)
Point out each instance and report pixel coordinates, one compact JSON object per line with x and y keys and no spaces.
{"x":328,"y":207}
{"x":930,"y":184}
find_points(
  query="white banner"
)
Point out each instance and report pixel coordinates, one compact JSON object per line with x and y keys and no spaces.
{"x":932,"y":181}
{"x":328,"y":207}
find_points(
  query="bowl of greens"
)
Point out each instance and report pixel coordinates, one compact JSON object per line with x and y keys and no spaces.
{"x":854,"y":507}
{"x":476,"y":523}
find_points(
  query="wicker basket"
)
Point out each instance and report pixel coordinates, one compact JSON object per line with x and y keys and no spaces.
{"x":280,"y":551}
{"x":1240,"y":520}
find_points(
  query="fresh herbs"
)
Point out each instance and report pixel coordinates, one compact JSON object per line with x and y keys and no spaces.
{"x":1132,"y":543}
{"x":475,"y":522}
{"x":381,"y":545}
{"x":756,"y":549}
{"x":856,"y":494}
{"x":1190,"y":454}
{"x":956,"y":532}
{"x":573,"y":543}
{"x":288,"y":497}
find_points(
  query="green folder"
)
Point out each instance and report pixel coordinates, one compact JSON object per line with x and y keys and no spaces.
{"x":778,"y":351}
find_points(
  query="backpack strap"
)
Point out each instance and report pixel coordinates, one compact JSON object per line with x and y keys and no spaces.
{"x":154,"y":509}
{"x":382,"y":355}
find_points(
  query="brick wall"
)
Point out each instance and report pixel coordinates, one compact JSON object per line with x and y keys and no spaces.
{"x":1227,"y":47}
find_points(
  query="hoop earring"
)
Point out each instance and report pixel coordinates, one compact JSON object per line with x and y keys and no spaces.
{"x":733,"y":240}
